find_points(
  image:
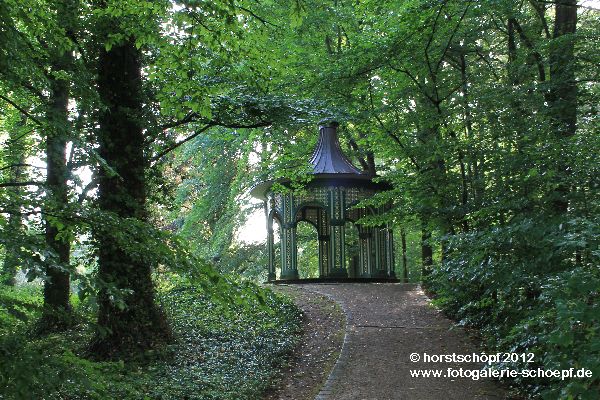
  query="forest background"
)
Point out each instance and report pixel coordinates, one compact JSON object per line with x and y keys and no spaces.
{"x":132,"y":132}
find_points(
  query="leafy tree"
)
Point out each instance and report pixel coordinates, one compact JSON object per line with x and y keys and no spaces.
{"x":15,"y":172}
{"x":38,"y":73}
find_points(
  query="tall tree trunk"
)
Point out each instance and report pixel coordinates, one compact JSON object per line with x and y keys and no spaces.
{"x":563,"y":91}
{"x":135,"y":323}
{"x":16,"y":159}
{"x":404,"y":264}
{"x":465,"y":172}
{"x":426,"y":251}
{"x":433,"y":176}
{"x":57,"y":285}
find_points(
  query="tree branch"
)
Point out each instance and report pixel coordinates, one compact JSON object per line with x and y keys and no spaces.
{"x":20,"y":165}
{"x":415,"y":81}
{"x":177,"y":144}
{"x":21,"y":136}
{"x":538,"y":58}
{"x":541,"y":12}
{"x":430,"y":40}
{"x":264,"y":21}
{"x":354,"y":146}
{"x":190,"y":117}
{"x":17,"y":184}
{"x":461,"y":19}
{"x":390,"y":133}
{"x":90,"y":186}
{"x":21,"y":110}
{"x":560,"y":3}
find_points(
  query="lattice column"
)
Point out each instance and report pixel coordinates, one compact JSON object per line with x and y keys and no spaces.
{"x":364,"y":249}
{"x":324,"y":243}
{"x":289,"y":250}
{"x":337,"y":233}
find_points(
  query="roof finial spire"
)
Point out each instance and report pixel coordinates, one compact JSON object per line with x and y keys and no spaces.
{"x":328,"y":157}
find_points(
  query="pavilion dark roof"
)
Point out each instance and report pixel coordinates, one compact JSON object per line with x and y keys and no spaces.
{"x":328,"y":157}
{"x":330,"y":165}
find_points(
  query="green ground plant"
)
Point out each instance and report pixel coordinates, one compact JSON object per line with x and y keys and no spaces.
{"x":523,"y":288}
{"x":231,"y":339}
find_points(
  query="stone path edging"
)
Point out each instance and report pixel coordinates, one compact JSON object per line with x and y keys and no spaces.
{"x":326,"y":390}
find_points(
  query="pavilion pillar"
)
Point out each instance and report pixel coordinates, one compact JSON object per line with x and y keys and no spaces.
{"x":289,"y":253}
{"x":337,"y":252}
{"x":271,"y":255}
{"x":268,"y":206}
{"x":364,"y":251}
{"x":337,"y":234}
{"x":324,"y":243}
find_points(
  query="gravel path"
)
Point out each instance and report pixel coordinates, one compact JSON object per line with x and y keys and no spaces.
{"x":385,"y":324}
{"x":318,"y":349}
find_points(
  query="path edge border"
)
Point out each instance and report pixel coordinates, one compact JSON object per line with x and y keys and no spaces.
{"x":327,"y":389}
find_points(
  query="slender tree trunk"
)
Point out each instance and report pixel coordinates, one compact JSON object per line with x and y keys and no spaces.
{"x":16,"y":158}
{"x":135,"y":323}
{"x":512,"y":52}
{"x":434,"y":178}
{"x":404,"y":264}
{"x":465,"y":172}
{"x":57,"y":286}
{"x":426,"y":251}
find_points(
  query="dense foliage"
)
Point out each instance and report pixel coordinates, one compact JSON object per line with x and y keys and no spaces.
{"x":231,"y":339}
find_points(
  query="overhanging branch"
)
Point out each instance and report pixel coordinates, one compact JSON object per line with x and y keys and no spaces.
{"x":17,"y":184}
{"x":209,"y":125}
{"x":21,"y":109}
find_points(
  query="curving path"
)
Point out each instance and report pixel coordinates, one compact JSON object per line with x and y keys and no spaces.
{"x":385,"y":324}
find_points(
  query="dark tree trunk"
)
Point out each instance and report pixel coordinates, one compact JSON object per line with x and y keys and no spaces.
{"x":563,"y":91}
{"x":512,"y":51}
{"x":136,"y":323}
{"x":57,"y":286}
{"x":404,"y":264}
{"x":16,"y":158}
{"x":426,"y":252}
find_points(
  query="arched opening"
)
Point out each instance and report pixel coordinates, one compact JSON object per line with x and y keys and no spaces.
{"x":277,"y":247}
{"x":308,"y":250}
{"x":274,"y":246}
{"x":312,"y":238}
{"x":361,"y":243}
